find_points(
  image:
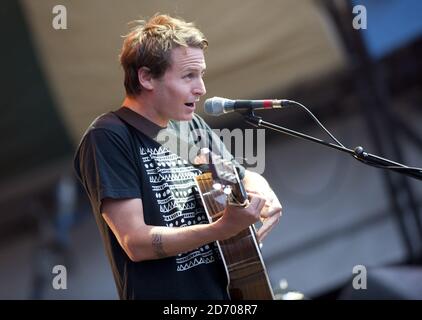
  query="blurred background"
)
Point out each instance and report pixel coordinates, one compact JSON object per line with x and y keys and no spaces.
{"x":355,"y":64}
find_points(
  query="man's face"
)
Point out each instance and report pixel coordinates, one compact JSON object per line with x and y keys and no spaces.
{"x":179,"y":89}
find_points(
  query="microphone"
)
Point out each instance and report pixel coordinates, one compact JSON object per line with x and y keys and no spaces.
{"x":217,"y":106}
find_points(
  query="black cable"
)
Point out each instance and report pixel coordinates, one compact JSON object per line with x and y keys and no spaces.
{"x":316,"y":120}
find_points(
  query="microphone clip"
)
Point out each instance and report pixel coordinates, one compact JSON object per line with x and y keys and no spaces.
{"x":252,"y":118}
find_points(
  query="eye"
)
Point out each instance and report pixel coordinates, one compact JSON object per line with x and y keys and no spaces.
{"x":189,"y":76}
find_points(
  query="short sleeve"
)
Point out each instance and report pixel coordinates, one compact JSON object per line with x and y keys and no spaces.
{"x":106,"y":166}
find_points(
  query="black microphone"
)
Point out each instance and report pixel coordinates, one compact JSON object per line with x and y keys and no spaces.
{"x":217,"y":106}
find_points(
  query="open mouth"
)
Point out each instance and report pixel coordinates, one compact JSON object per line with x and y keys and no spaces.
{"x":190,"y":104}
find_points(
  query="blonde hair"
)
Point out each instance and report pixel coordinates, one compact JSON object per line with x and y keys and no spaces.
{"x":149,"y":44}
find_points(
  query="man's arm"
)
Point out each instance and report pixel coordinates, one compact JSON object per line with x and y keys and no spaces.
{"x":145,"y":242}
{"x":256,"y":184}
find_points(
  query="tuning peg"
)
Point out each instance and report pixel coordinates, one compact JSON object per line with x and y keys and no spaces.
{"x":217,"y":186}
{"x":227,"y":190}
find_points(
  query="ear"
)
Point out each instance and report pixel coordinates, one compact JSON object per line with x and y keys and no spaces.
{"x":145,"y":78}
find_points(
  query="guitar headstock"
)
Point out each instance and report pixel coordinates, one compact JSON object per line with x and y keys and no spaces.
{"x":226,"y":178}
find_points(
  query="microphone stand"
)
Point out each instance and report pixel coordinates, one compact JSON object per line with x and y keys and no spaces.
{"x":358,"y":153}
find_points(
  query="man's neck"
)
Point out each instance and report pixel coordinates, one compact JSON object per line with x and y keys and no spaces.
{"x":142,"y":107}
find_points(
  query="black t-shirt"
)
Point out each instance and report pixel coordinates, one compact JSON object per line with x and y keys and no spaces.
{"x":123,"y":155}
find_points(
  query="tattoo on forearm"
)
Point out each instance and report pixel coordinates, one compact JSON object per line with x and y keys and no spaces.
{"x":157,"y":245}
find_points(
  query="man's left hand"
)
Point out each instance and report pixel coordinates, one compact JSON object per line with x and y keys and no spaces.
{"x":272,"y":211}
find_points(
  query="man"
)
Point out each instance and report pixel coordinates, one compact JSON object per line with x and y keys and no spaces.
{"x":156,"y":233}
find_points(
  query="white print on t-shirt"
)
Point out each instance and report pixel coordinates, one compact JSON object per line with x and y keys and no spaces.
{"x":172,"y":181}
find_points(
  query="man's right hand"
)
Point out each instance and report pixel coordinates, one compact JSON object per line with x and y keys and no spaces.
{"x":236,"y":219}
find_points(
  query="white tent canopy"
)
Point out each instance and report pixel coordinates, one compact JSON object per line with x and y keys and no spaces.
{"x":256,"y":48}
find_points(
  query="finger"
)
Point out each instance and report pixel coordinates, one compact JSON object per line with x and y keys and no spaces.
{"x":253,"y":192}
{"x":261,"y":195}
{"x":261,"y":205}
{"x":276,"y":202}
{"x":266,"y":227}
{"x":256,"y":205}
{"x":256,"y":197}
{"x":271,"y":212}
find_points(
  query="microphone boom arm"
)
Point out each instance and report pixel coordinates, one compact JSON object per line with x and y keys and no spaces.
{"x":358,"y":153}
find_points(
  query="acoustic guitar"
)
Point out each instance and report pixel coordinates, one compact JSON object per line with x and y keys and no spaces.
{"x":245,"y":269}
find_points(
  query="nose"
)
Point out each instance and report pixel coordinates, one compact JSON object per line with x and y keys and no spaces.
{"x":199,"y":89}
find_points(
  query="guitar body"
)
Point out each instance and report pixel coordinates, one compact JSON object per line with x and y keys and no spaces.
{"x":246,"y":272}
